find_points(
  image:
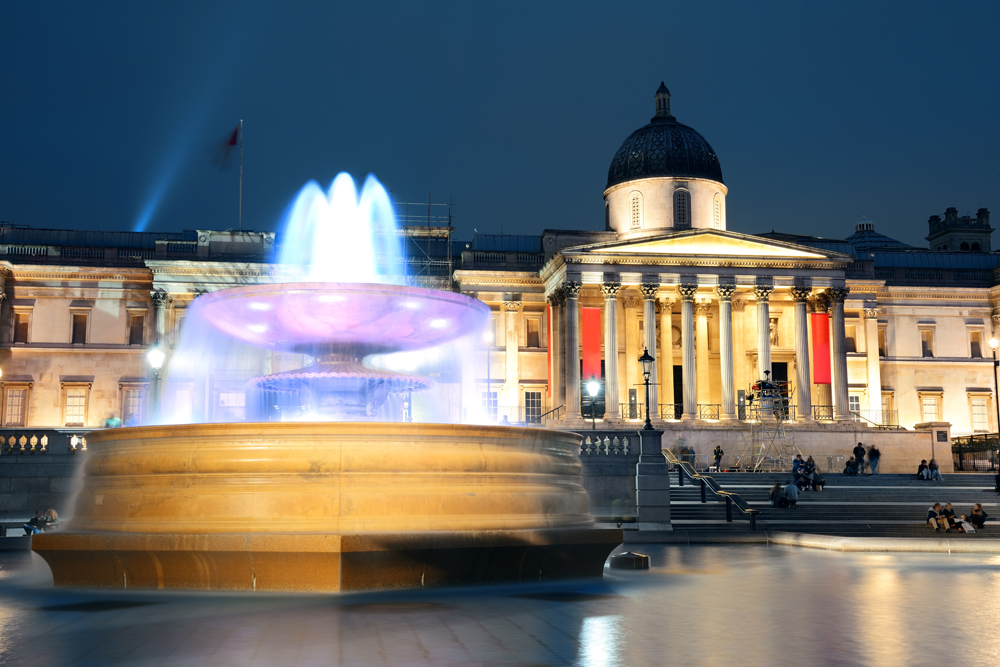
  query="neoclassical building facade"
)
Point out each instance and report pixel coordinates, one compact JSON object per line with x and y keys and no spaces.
{"x":863,"y":329}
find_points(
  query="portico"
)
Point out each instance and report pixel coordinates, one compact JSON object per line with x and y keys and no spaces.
{"x":718,"y":345}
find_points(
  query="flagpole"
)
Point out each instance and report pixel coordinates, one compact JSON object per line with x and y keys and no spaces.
{"x":241,"y":174}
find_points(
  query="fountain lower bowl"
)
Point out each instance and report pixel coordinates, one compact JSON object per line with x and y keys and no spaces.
{"x":327,"y":506}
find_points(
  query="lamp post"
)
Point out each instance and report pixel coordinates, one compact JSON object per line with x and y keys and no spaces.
{"x":593,"y":386}
{"x":994,"y":345}
{"x":647,"y":367}
{"x":155,"y":357}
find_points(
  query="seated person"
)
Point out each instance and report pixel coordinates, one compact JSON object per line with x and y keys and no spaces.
{"x":776,"y":495}
{"x":932,"y":471}
{"x":51,"y":520}
{"x":791,"y":495}
{"x":978,"y":517}
{"x":35,"y":525}
{"x":934,"y":518}
{"x":921,"y":468}
{"x":950,"y":521}
{"x":851,"y":469}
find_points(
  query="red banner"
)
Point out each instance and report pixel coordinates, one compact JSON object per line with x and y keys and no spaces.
{"x":548,"y":348}
{"x":821,"y":348}
{"x":591,"y":338}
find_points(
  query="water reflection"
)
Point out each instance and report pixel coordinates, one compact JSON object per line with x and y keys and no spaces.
{"x":600,"y":641}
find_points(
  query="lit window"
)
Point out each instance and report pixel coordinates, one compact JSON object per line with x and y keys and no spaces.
{"x":881,"y":343}
{"x":132,"y":406}
{"x":929,"y":408}
{"x":76,"y":406}
{"x":532,"y":407}
{"x":232,"y":399}
{"x":682,"y":209}
{"x":976,"y":344}
{"x":980,"y":415}
{"x":926,"y":343}
{"x":17,"y":400}
{"x":635,"y":208}
{"x":490,"y":403}
{"x":854,"y":403}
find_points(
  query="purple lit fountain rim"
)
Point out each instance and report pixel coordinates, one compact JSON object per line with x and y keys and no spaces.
{"x":305,"y":317}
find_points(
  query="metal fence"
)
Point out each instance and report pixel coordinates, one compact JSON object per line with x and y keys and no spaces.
{"x":972,"y":453}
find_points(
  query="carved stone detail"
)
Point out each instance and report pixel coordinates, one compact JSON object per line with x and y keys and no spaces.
{"x":996,"y":320}
{"x":838,"y":294}
{"x":725,"y":292}
{"x":739,"y":305}
{"x":687,"y":291}
{"x":159,"y":299}
{"x":631,"y":302}
{"x":572,"y":289}
{"x":702,"y":306}
{"x":763,"y":292}
{"x":872,"y":313}
{"x":800,"y":294}
{"x":610,"y":290}
{"x":666,"y":304}
{"x":649,"y":290}
{"x":512,"y":306}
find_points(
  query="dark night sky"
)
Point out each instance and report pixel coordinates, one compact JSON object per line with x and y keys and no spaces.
{"x":818,"y":111}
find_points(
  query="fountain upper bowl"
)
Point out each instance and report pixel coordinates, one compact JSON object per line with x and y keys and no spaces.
{"x":314,"y":317}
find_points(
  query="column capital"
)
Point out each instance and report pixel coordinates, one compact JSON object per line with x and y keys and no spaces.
{"x":631,"y":301}
{"x":610,"y":290}
{"x":512,"y":306}
{"x":649,"y":290}
{"x":725,"y":292}
{"x":819,"y":303}
{"x":571,"y":288}
{"x":556,"y":297}
{"x":666,"y":303}
{"x":801,"y":294}
{"x":702,"y":306}
{"x":687,"y":291}
{"x":872,"y":313}
{"x":739,"y":305}
{"x":3,"y":294}
{"x":763,"y":292}
{"x":838,"y":294}
{"x":159,"y":299}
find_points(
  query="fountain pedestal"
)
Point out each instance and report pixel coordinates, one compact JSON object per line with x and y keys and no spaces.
{"x":331,"y":506}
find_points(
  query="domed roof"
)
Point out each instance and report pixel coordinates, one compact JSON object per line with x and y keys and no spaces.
{"x":664,"y":148}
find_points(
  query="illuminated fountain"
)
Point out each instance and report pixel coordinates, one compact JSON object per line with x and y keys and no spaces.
{"x":343,"y":501}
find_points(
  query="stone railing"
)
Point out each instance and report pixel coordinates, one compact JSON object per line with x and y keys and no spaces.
{"x":14,"y":441}
{"x":617,"y":446}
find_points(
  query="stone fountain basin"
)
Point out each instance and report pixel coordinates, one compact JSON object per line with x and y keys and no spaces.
{"x":327,"y":506}
{"x":302,"y":317}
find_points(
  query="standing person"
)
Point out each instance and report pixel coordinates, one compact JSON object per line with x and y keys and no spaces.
{"x":859,"y":457}
{"x":718,"y":453}
{"x":873,"y":456}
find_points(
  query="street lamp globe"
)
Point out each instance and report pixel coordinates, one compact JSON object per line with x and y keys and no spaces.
{"x":593,"y":386}
{"x":155,"y":357}
{"x":647,"y":363}
{"x":994,"y":343}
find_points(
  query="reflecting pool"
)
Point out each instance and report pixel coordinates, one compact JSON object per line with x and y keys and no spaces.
{"x":700,"y":605}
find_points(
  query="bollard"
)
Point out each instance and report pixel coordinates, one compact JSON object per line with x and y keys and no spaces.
{"x":753,"y":521}
{"x":703,"y":491}
{"x":729,"y":509}
{"x":680,"y":476}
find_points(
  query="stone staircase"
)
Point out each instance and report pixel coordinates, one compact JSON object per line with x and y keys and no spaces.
{"x":883,"y":506}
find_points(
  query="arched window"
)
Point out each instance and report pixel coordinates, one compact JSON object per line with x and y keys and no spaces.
{"x":635,"y":211}
{"x":717,"y":211}
{"x":975,"y":247}
{"x":682,"y":209}
{"x":964,"y":246}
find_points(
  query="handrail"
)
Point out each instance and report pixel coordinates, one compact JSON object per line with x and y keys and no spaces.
{"x":882,"y":427}
{"x":708,"y":483}
{"x":543,"y":416}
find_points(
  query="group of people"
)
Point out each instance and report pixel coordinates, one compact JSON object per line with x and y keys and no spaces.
{"x":929,"y":471}
{"x":41,"y":522}
{"x":805,"y":476}
{"x":856,"y":464}
{"x":944,"y":519}
{"x":784,"y":497}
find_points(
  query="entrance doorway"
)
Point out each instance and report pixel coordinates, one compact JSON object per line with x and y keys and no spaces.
{"x":678,"y":393}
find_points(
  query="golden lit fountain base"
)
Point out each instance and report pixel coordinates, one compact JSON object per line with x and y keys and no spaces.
{"x":327,"y":506}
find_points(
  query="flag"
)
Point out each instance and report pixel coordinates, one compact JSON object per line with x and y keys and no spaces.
{"x":226,"y":148}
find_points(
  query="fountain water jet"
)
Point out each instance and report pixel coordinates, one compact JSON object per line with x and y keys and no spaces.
{"x":345,"y":504}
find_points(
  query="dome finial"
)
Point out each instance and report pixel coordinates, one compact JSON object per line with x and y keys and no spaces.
{"x":662,"y":98}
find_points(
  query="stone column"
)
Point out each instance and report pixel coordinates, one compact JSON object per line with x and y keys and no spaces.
{"x":701,"y":349}
{"x":610,"y":290}
{"x":649,"y":342}
{"x":511,"y":347}
{"x":803,"y":381}
{"x":556,"y":348}
{"x":572,"y":291}
{"x":160,"y":301}
{"x":872,"y":359}
{"x":690,"y":375}
{"x":837,"y":296}
{"x":666,"y":351}
{"x":824,"y":395}
{"x":725,"y":292}
{"x":763,"y":293}
{"x":630,"y":374}
{"x":739,"y":345}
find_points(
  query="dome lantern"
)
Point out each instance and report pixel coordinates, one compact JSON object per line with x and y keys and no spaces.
{"x":662,"y":98}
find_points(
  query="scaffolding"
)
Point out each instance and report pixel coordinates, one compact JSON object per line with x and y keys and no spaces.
{"x":426,"y":229}
{"x":769,"y":448}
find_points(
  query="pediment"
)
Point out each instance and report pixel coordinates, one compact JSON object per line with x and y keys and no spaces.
{"x":710,"y":243}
